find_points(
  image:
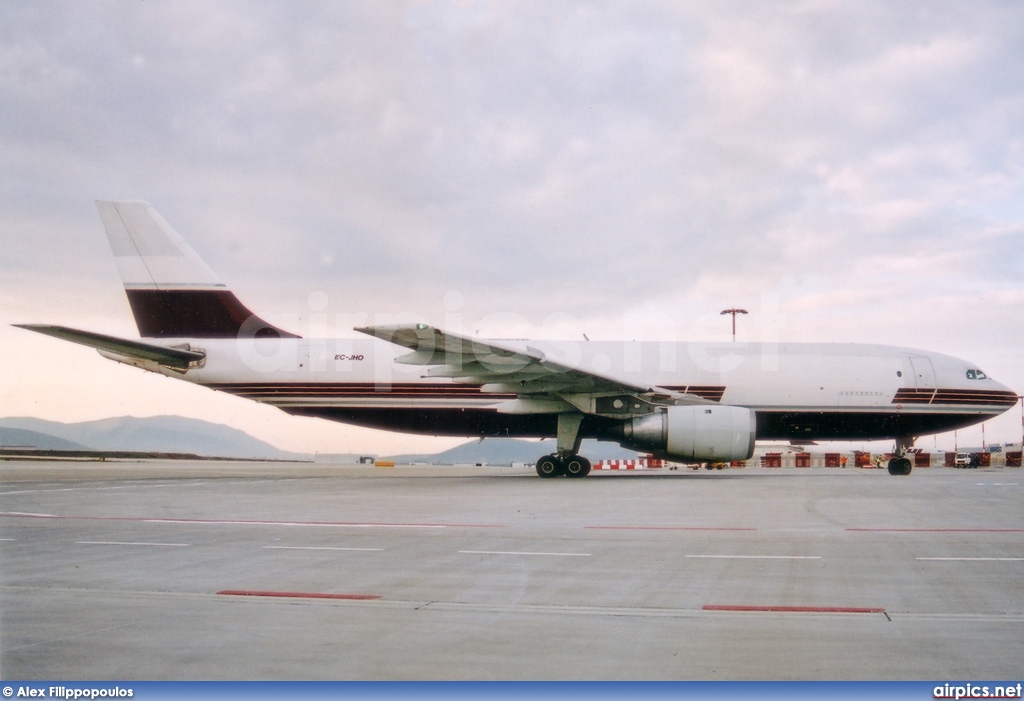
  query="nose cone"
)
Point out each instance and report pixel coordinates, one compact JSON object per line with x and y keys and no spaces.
{"x":1000,"y":387}
{"x":987,"y":384}
{"x":996,"y":395}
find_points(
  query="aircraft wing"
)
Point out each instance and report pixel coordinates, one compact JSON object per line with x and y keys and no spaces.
{"x":541,"y":384}
{"x":123,"y":349}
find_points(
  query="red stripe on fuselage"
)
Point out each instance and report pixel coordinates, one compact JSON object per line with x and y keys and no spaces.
{"x":270,"y":390}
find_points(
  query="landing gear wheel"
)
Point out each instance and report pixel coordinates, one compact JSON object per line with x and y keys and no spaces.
{"x":900,"y":466}
{"x":577,"y":466}
{"x":550,"y":466}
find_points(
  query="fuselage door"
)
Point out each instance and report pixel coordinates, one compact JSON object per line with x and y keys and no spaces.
{"x":924,"y":373}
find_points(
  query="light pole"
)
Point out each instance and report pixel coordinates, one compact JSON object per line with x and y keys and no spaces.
{"x":1021,"y":398}
{"x":734,"y":312}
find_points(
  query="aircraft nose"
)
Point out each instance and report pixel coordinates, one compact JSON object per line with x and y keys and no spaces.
{"x":1000,"y":386}
{"x":1005,"y":396}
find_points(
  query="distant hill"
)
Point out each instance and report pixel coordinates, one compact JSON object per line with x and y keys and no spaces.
{"x":176,"y":434}
{"x":171,"y":434}
{"x":23,"y":438}
{"x":505,"y":451}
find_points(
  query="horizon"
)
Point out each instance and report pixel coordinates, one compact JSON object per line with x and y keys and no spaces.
{"x":873,"y":447}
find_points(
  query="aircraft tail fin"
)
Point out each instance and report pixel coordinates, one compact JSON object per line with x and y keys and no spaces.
{"x":172,"y":292}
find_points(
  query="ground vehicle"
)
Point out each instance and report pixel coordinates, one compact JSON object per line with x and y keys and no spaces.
{"x":965,"y":460}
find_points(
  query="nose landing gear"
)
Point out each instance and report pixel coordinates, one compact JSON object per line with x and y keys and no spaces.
{"x":901,"y":465}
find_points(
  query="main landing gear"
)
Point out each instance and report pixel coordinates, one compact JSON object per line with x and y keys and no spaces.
{"x":566,"y":461}
{"x":570,"y":466}
{"x":901,"y":465}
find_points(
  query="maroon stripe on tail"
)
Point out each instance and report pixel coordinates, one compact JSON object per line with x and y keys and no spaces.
{"x":197,"y":314}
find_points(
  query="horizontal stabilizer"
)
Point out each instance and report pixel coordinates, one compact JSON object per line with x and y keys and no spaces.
{"x":177,"y":358}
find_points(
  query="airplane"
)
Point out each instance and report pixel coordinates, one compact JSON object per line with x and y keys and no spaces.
{"x":687,"y":402}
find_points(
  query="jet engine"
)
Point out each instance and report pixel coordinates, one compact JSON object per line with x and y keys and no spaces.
{"x":693,"y":433}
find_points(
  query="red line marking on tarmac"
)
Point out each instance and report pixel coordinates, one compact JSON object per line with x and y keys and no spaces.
{"x":937,"y":530}
{"x":793,"y":609}
{"x":669,"y":528}
{"x":241,"y":522}
{"x":298,"y":594}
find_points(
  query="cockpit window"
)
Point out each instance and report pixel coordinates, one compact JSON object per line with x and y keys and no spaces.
{"x":976,"y":375}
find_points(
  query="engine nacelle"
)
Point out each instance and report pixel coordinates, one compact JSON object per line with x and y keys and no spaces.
{"x":694,"y":433}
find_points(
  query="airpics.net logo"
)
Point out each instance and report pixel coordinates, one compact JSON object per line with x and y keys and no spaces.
{"x":977,"y":691}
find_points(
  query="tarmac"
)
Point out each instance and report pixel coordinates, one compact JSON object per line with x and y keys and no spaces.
{"x":198,"y":570}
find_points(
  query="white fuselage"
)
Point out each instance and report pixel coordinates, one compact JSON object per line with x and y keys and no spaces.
{"x":810,"y":391}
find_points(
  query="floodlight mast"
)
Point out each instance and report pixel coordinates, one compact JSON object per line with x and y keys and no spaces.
{"x":734,"y":312}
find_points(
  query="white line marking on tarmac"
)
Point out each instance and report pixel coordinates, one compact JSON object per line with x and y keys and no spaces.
{"x":117,"y":542}
{"x":757,"y":557}
{"x":8,"y":539}
{"x":234,"y":522}
{"x":518,"y":552}
{"x":973,"y":559}
{"x":91,"y":489}
{"x":307,"y":547}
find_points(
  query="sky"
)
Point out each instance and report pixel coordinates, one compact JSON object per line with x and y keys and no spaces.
{"x":846,"y":171}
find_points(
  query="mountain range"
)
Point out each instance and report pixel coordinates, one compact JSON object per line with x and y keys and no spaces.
{"x":166,"y":434}
{"x":177,"y":434}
